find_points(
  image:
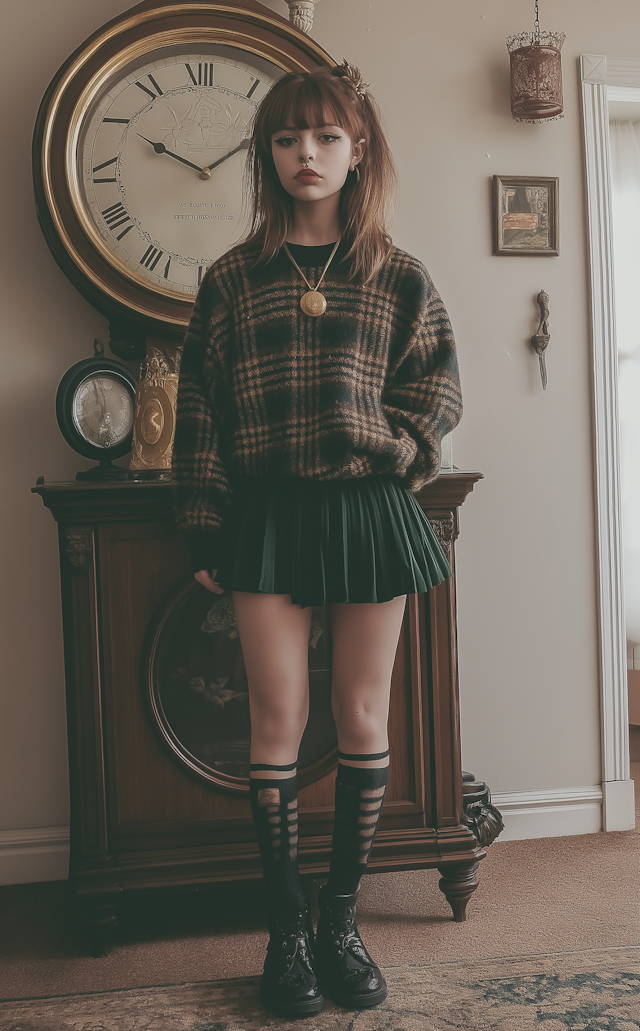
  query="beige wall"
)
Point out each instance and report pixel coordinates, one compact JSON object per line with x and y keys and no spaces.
{"x":527,"y":589}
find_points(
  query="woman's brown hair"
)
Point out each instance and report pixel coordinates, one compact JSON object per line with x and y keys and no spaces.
{"x":307,"y":99}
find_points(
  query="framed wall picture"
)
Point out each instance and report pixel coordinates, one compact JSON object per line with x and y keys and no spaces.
{"x":525,"y":215}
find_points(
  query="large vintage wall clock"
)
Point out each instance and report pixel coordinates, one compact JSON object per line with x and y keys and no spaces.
{"x":140,"y":144}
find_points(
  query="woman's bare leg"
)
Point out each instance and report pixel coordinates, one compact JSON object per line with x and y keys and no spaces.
{"x":365,"y":641}
{"x":275,"y":645}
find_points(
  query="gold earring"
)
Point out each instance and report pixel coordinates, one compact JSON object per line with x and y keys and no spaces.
{"x":357,"y":171}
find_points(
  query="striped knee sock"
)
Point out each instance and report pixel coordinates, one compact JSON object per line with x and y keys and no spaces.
{"x":359,"y":797}
{"x":274,"y":804}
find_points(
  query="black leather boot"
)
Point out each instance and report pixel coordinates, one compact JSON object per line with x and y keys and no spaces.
{"x":345,"y":969}
{"x":288,"y":986}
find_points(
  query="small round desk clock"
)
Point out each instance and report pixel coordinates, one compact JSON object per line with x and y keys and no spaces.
{"x":95,"y":407}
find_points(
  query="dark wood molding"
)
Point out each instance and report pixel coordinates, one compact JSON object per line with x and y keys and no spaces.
{"x":144,"y":499}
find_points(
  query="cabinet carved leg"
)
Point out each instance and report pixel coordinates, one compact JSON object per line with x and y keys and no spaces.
{"x":458,"y":882}
{"x":100,"y":919}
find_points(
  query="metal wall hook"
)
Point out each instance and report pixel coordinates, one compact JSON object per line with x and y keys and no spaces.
{"x":540,"y":340}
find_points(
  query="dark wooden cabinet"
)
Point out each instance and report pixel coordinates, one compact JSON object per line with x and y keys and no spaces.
{"x":143,"y":815}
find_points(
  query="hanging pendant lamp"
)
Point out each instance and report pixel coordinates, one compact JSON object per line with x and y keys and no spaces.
{"x":536,"y":73}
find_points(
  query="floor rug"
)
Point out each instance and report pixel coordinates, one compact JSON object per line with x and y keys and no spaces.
{"x":591,"y":990}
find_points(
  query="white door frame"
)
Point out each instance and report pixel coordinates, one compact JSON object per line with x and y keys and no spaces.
{"x":603,"y":79}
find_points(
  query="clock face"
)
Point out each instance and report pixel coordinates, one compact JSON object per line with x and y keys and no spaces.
{"x":140,"y":147}
{"x":102,"y":410}
{"x":158,"y":161}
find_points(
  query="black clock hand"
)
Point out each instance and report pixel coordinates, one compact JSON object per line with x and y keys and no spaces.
{"x":101,"y":399}
{"x":161,"y":149}
{"x":243,"y":146}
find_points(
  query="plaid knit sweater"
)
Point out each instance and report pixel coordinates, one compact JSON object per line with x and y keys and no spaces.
{"x":370,"y":387}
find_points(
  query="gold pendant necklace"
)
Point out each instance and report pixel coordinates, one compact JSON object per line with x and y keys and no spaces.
{"x":313,"y":302}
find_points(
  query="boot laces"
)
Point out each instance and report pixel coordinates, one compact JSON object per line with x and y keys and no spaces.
{"x":349,"y":941}
{"x":299,"y":953}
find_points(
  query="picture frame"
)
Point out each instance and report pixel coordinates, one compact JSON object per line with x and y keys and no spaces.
{"x":525,"y":215}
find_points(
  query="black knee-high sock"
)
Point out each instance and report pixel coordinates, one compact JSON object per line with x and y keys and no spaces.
{"x":359,"y":797}
{"x":274,"y":804}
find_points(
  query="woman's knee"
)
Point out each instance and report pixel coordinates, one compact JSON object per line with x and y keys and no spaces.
{"x":277,"y":724}
{"x":360,"y":722}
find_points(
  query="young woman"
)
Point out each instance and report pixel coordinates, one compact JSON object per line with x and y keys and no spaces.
{"x":318,"y":378}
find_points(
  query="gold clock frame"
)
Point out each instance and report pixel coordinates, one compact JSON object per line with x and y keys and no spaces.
{"x":107,"y":283}
{"x":77,"y":122}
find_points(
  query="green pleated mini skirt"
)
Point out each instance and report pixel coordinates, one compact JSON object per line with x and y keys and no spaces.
{"x":363,"y":540}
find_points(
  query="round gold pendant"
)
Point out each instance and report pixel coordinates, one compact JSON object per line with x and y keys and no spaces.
{"x":313,"y":303}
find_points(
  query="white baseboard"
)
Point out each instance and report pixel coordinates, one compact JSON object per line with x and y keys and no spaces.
{"x":618,"y":805}
{"x":37,"y":854}
{"x":549,"y":814}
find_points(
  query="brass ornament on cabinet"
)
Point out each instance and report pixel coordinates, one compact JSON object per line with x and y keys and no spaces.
{"x":79,"y":547}
{"x":445,"y":530}
{"x":154,"y":426}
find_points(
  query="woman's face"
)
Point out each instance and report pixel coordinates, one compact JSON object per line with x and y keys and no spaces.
{"x":327,"y":152}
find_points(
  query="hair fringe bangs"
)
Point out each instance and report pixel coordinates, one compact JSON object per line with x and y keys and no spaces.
{"x":306,"y":102}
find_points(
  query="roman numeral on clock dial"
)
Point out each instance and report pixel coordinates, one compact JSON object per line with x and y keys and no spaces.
{"x":158,"y":91}
{"x":205,"y":74}
{"x":151,"y":257}
{"x":116,"y":215}
{"x":105,"y":164}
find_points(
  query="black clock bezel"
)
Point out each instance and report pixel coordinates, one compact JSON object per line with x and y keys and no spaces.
{"x":67,"y":388}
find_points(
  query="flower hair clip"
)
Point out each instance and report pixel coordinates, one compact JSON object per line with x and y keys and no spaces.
{"x":353,"y":77}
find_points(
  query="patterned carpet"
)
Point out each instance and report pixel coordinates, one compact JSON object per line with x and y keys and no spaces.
{"x":591,"y":990}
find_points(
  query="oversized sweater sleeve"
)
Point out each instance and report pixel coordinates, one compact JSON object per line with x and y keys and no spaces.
{"x":421,"y":398}
{"x":200,"y":476}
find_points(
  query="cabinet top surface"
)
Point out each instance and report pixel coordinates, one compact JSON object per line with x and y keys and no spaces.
{"x":73,"y":501}
{"x":45,"y":486}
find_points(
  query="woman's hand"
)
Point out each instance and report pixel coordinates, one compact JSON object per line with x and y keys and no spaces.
{"x":207,"y":579}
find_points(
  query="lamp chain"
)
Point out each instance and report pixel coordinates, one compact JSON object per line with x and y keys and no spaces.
{"x":536,"y":23}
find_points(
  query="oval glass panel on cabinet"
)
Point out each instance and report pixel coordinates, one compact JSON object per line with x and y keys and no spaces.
{"x":198,"y":693}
